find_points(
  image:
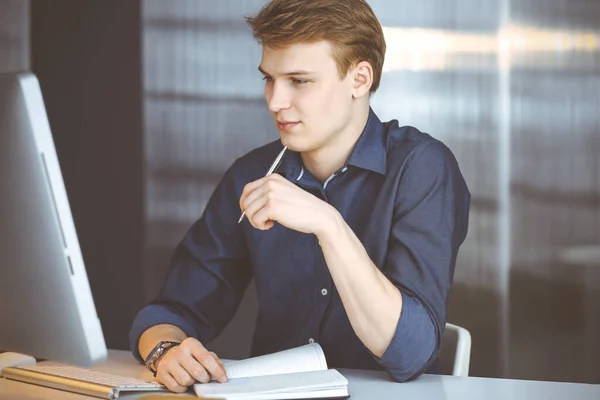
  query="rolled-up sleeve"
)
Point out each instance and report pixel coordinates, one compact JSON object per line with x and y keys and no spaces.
{"x":430,"y":223}
{"x":208,"y":275}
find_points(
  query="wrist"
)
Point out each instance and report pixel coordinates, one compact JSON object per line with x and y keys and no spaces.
{"x":153,"y":335}
{"x":330,"y":227}
{"x":162,"y":357}
{"x":157,"y":353}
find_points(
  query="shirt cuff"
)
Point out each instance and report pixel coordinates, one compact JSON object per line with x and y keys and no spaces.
{"x":412,"y":346}
{"x":150,"y":316}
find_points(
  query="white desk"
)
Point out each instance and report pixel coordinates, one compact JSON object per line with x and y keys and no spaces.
{"x":363,"y":385}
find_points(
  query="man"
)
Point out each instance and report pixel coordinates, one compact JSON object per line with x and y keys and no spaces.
{"x":352,"y":242}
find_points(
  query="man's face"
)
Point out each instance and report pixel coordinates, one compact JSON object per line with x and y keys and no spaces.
{"x":309,"y":103}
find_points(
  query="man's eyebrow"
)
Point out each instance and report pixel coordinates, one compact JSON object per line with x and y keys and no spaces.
{"x":291,"y":73}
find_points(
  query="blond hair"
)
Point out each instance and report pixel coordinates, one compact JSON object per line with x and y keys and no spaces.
{"x":350,"y":26}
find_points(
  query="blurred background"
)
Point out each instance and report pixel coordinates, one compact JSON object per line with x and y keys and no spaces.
{"x":150,"y":101}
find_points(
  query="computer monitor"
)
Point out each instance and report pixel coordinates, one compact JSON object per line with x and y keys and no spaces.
{"x":46,"y":305}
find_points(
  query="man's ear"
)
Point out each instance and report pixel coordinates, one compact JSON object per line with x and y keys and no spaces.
{"x":363,"y":79}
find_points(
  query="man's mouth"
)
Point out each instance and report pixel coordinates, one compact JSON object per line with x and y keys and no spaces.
{"x":286,"y":125}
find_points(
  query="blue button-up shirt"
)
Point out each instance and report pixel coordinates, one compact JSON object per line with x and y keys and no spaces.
{"x":403,"y":195}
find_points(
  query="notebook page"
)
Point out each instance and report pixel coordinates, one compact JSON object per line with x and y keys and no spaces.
{"x":302,"y":382}
{"x":309,"y":357}
{"x":315,"y":394}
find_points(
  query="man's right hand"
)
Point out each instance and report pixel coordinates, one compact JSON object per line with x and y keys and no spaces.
{"x":190,"y":362}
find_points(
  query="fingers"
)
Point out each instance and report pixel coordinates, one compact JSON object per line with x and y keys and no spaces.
{"x":195,"y":369}
{"x":258,"y":212}
{"x":255,"y":195}
{"x":266,"y":184}
{"x":262,"y":199}
{"x":249,"y":188}
{"x":181,"y":376}
{"x":166,"y":378}
{"x":188,"y":363}
{"x":212,"y":365}
{"x":209,"y":361}
{"x":262,"y":218}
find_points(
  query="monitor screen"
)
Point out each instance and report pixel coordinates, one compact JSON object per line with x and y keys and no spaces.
{"x":46,"y":305}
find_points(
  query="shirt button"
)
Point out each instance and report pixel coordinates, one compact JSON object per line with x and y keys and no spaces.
{"x":311,"y":340}
{"x":324,"y":292}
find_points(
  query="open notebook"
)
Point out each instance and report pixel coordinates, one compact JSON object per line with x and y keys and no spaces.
{"x":298,"y":373}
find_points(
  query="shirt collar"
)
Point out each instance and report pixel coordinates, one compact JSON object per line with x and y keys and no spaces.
{"x":291,"y":165}
{"x":368,"y":153}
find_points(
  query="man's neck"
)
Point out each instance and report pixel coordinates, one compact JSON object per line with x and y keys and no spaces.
{"x":323,"y":162}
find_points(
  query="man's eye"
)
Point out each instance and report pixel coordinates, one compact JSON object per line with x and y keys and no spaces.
{"x":267,"y":78}
{"x":299,"y":81}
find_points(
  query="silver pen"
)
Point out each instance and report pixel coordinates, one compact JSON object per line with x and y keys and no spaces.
{"x":269,"y":172}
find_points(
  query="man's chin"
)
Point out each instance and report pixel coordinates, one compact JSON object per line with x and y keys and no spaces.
{"x":287,"y":140}
{"x":299,"y":142}
{"x":298,"y":146}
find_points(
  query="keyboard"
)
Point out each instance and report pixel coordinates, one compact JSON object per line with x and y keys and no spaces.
{"x":80,"y":380}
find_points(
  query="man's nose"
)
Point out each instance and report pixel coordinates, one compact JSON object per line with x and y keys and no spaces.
{"x":280,"y":98}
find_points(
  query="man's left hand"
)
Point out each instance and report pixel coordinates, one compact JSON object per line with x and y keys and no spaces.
{"x":274,"y":198}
